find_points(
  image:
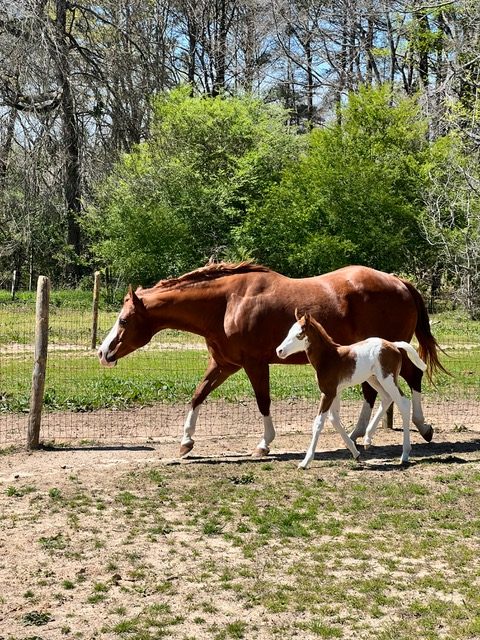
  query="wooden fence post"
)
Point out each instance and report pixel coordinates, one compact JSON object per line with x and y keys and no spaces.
{"x":96,"y":297}
{"x":40,"y":362}
{"x":14,"y":284}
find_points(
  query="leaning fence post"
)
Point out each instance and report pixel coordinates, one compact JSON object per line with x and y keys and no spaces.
{"x":96,"y":297}
{"x":40,"y":362}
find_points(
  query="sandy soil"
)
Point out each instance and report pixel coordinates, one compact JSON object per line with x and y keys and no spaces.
{"x":62,"y":583}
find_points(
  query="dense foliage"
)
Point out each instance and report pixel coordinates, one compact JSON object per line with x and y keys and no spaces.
{"x":173,"y":202}
{"x":354,"y":197}
{"x":225,"y":177}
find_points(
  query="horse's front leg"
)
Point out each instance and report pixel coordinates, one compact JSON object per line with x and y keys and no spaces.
{"x":259,"y":375}
{"x":317,"y":428}
{"x":213,"y":378}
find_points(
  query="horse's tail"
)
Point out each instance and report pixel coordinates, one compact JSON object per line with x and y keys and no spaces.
{"x":428,"y":346}
{"x":412,"y":354}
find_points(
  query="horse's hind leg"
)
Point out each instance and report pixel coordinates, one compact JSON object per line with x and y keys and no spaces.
{"x":413,"y":376}
{"x":337,"y":423}
{"x":213,"y":378}
{"x":369,"y":395}
{"x":385,"y":402}
{"x":259,"y":375}
{"x":403,"y":405}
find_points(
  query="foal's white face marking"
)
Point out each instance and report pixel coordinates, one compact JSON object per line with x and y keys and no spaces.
{"x":104,"y":348}
{"x":294,"y":342}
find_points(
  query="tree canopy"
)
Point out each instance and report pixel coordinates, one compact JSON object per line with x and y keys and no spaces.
{"x":173,"y":202}
{"x":360,"y":98}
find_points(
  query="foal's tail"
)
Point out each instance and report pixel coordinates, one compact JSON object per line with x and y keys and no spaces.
{"x":428,"y":347}
{"x":412,"y":354}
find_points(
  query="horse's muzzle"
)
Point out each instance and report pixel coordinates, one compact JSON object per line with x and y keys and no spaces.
{"x":106,"y":360}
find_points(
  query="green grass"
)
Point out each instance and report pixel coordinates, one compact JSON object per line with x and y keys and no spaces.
{"x":165,"y":372}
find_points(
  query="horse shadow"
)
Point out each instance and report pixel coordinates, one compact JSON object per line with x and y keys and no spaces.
{"x":376,"y":458}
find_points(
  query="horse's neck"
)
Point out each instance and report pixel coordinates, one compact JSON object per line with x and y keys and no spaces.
{"x":188,"y":309}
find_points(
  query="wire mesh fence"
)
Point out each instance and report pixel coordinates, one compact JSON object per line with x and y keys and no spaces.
{"x":146,"y":397}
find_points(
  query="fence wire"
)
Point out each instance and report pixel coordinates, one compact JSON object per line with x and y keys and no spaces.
{"x":146,"y":397}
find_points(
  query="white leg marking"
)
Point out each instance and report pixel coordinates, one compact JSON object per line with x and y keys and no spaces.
{"x":407,"y":447}
{"x":375,"y":421}
{"x":418,"y":418}
{"x":385,"y":402}
{"x":317,"y":427}
{"x":403,"y":405}
{"x":362,"y":421}
{"x":337,"y":423}
{"x":268,"y":433}
{"x":189,"y":426}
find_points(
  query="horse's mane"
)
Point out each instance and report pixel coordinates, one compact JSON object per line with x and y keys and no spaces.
{"x":211,"y":271}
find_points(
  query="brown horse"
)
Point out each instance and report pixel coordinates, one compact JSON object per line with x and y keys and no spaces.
{"x":244,"y":311}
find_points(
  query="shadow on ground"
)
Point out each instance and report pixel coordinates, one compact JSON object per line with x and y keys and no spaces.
{"x":380,"y":457}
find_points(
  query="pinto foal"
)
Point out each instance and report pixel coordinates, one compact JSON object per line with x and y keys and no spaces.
{"x":373,"y":360}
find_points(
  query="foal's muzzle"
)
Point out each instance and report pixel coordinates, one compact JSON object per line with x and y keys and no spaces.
{"x":281,"y":353}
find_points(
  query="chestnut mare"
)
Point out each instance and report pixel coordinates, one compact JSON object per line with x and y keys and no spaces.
{"x":244,"y":311}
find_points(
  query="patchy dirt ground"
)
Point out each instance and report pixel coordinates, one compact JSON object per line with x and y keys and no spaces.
{"x":116,"y":542}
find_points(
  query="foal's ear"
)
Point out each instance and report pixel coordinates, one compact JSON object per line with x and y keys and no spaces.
{"x":297,"y":314}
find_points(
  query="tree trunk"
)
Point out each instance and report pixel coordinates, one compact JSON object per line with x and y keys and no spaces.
{"x":71,"y":137}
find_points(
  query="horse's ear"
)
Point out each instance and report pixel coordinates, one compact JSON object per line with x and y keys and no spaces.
{"x":135,"y":299}
{"x":297,"y":314}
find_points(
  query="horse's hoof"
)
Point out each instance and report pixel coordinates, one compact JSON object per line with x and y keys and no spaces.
{"x":185,"y":448}
{"x":367,"y":445}
{"x":303,"y":466}
{"x":428,"y":435}
{"x":260,"y":452}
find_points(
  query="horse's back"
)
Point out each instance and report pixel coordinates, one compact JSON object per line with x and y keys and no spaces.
{"x":352,"y":303}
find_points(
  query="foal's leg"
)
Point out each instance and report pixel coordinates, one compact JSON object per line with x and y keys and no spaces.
{"x":385,"y":402}
{"x":369,"y":395}
{"x":213,"y":378}
{"x":317,"y":427}
{"x":335,"y":417}
{"x":413,"y":377}
{"x":259,"y":375}
{"x":404,"y":407}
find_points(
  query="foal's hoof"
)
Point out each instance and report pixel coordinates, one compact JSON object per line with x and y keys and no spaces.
{"x":428,"y":435}
{"x":260,"y":452}
{"x":185,"y":448}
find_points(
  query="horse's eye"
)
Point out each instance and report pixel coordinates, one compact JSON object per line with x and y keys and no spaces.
{"x":122,"y":322}
{"x":301,"y":335}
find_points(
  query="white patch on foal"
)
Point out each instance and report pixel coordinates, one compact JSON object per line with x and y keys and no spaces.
{"x":292,"y":343}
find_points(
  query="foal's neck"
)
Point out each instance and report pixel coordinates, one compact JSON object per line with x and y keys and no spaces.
{"x":320,"y":344}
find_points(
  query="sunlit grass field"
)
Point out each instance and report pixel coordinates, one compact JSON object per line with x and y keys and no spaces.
{"x":171,"y":366}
